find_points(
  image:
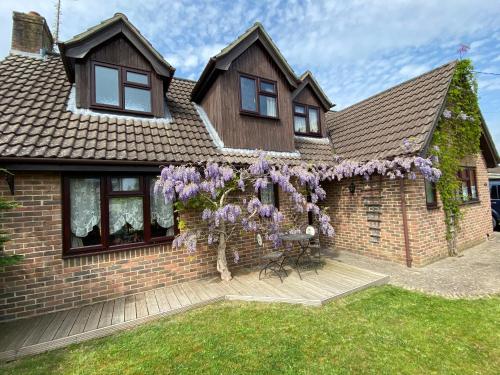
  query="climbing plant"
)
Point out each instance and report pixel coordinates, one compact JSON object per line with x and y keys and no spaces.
{"x":457,"y":135}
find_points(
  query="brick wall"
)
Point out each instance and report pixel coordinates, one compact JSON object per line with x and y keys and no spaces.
{"x":369,"y":222}
{"x":45,"y":282}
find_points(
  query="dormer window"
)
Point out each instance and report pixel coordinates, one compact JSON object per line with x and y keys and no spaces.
{"x":121,"y":89}
{"x":258,"y":96}
{"x":306,"y":119}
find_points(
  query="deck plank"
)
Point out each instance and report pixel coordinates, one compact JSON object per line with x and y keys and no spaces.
{"x":22,"y":332}
{"x":51,"y":330}
{"x":130,"y":311}
{"x":81,"y":320}
{"x":190,"y":293}
{"x":95,"y":316}
{"x":35,"y":335}
{"x":152,"y":303}
{"x":67,"y":324}
{"x":172,"y":298}
{"x":118,"y":311}
{"x":181,"y":295}
{"x":106,"y":314}
{"x":140,"y":305}
{"x":162,"y":300}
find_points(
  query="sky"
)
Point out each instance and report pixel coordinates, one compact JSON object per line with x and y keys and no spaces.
{"x":354,"y":48}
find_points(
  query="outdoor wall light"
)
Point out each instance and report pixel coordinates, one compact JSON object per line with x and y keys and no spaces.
{"x":352,"y":188}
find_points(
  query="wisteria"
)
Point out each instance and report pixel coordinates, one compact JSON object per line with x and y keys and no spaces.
{"x":228,"y":206}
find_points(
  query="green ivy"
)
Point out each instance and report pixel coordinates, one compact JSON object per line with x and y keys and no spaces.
{"x":457,"y":135}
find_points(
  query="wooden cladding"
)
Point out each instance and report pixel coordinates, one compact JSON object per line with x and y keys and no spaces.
{"x":240,"y":128}
{"x":118,"y":52}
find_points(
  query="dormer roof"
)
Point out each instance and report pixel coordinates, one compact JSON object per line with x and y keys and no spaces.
{"x":307,"y":80}
{"x":80,"y":45}
{"x":222,"y":61}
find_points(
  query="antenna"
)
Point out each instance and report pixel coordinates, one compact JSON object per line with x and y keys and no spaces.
{"x":57,"y":20}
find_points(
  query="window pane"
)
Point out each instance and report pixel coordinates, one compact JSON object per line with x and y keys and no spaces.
{"x":137,"y":78}
{"x":493,"y":192}
{"x":313,"y":120}
{"x":162,"y":213}
{"x":465,"y":191}
{"x":137,"y":99}
{"x":473,"y":189}
{"x":126,"y":220}
{"x":430,"y":193}
{"x":267,"y":106}
{"x":267,"y":87}
{"x":299,"y":124}
{"x":125,"y":184}
{"x":248,"y":99}
{"x":300,"y":109}
{"x":267,"y":194}
{"x":106,"y":86}
{"x":85,"y":211}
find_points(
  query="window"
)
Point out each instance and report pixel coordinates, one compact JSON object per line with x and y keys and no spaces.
{"x":306,"y":119}
{"x":468,"y":188}
{"x":121,"y":89}
{"x":258,"y":96}
{"x":103,"y":213}
{"x":494,"y":192}
{"x":269,"y":195}
{"x":430,"y":194}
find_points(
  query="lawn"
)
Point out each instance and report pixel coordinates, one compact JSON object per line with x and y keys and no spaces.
{"x":382,"y":330}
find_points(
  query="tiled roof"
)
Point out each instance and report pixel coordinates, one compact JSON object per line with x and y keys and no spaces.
{"x":376,"y":127}
{"x":35,"y":123}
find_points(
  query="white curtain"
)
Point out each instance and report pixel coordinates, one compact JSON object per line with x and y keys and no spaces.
{"x":270,"y":106}
{"x":125,"y":210}
{"x":161,"y":211}
{"x":85,"y":205}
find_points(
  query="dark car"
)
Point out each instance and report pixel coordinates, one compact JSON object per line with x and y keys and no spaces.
{"x":495,"y":202}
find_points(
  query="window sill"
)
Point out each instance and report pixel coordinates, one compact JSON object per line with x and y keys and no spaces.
{"x":117,"y":110}
{"x":258,"y":115}
{"x":432,"y":207}
{"x":471,"y":202}
{"x":116,"y":248}
{"x":311,"y":135}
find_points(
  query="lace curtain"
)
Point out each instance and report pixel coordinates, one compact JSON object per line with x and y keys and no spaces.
{"x":85,"y":201}
{"x":161,"y":211}
{"x":268,"y":104}
{"x":125,"y":210}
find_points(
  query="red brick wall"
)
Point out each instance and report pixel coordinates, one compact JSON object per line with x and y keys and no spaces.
{"x":45,"y":282}
{"x":376,"y":203}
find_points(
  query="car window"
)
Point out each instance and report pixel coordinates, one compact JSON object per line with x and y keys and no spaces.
{"x":494,"y":191}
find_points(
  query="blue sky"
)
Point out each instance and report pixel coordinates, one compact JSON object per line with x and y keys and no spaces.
{"x":355,"y":49}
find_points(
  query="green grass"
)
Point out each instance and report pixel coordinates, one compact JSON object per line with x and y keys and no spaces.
{"x":382,"y":330}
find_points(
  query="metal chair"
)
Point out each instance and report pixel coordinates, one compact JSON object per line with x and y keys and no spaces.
{"x":271,"y":260}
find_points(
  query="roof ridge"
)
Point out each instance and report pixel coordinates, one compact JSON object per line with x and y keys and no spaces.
{"x":453,"y":62}
{"x":184,"y":79}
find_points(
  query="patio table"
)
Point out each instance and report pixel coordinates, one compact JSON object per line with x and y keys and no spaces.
{"x":303,"y":240}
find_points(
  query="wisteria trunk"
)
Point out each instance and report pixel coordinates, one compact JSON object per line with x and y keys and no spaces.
{"x":222,"y":267}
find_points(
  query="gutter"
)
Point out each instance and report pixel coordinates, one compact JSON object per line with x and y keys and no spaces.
{"x":404,"y":213}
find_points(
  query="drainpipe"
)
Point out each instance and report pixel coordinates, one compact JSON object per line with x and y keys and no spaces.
{"x":405,"y":222}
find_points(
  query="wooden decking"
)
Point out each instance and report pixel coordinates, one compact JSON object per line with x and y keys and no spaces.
{"x":46,"y":332}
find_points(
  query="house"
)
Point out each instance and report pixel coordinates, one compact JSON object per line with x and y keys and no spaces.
{"x":85,"y":130}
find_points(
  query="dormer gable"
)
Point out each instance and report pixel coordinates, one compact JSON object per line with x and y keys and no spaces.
{"x":223,"y":60}
{"x":116,"y":69}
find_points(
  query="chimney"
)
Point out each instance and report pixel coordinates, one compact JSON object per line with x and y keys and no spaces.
{"x":30,"y":33}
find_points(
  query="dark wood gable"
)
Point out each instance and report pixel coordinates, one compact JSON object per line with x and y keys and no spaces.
{"x":238,"y":130}
{"x":117,"y":51}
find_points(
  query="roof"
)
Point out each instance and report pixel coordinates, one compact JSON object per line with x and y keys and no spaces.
{"x":81,"y":44}
{"x":307,"y":80}
{"x":222,"y":61}
{"x":376,"y":127}
{"x":36,"y":124}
